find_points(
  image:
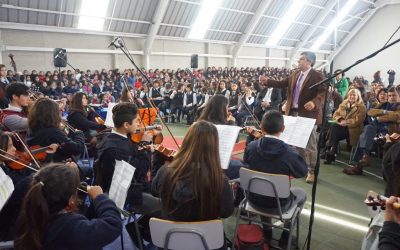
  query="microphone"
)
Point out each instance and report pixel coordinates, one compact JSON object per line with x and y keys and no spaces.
{"x":113,"y":42}
{"x":59,"y":54}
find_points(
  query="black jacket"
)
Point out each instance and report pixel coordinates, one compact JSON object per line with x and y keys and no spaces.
{"x":79,"y":121}
{"x":70,"y":145}
{"x":273,"y":156}
{"x":114,"y":147}
{"x":389,"y":237}
{"x":187,"y":208}
{"x":75,"y":231}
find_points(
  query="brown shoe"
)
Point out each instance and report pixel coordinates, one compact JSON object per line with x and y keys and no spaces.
{"x":353,"y":170}
{"x":310,"y":178}
{"x":365,"y":161}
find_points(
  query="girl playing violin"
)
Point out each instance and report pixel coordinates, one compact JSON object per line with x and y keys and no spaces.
{"x":44,"y":127}
{"x":48,"y":219}
{"x":81,"y":119}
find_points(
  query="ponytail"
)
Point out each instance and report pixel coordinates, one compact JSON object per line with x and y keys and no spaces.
{"x":35,"y":214}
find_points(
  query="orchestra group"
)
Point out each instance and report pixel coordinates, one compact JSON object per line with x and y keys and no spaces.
{"x":51,"y":124}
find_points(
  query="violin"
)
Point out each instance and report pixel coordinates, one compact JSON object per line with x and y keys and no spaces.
{"x":40,"y":154}
{"x":166,"y":152}
{"x":256,"y":133}
{"x":395,"y":137}
{"x":98,"y":118}
{"x":157,"y":136}
{"x":375,"y":200}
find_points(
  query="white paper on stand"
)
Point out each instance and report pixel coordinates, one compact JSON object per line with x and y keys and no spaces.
{"x":6,"y":188}
{"x":109,"y":121}
{"x":297,"y":130}
{"x":121,"y":181}
{"x":227,"y":136}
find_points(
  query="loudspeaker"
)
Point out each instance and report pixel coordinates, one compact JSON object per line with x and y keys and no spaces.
{"x":194,"y":61}
{"x":60,"y":58}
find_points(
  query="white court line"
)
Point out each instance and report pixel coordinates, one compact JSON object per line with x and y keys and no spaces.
{"x":341,"y":212}
{"x":336,"y":220}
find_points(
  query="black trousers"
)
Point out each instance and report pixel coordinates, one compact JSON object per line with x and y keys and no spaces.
{"x":337,"y":134}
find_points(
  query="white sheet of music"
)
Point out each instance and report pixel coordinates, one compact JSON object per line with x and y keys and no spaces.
{"x":121,"y":181}
{"x":109,"y":121}
{"x":6,"y":188}
{"x":297,"y":130}
{"x":227,"y":136}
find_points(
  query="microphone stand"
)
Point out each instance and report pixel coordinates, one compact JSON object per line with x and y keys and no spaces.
{"x":317,"y":164}
{"x":123,"y":48}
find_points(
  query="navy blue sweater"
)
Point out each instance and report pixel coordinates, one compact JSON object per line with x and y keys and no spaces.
{"x":75,"y":231}
{"x":273,"y":156}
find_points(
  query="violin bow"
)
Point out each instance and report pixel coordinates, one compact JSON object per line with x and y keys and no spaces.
{"x":27,"y":149}
{"x":127,"y":53}
{"x":10,"y":157}
{"x":249,"y":110}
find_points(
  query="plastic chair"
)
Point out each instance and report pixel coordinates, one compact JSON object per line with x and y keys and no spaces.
{"x":270,"y":185}
{"x":197,"y":235}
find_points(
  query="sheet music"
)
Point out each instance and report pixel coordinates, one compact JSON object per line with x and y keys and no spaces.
{"x":121,"y":181}
{"x":6,"y":188}
{"x":297,"y":130}
{"x":227,"y":136}
{"x":109,"y":121}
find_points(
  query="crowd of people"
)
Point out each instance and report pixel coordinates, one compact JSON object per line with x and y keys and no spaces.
{"x":53,"y":111}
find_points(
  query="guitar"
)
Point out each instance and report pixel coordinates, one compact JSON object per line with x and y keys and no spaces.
{"x":375,"y":200}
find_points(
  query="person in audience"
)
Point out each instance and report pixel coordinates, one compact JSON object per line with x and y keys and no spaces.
{"x":44,"y":129}
{"x":14,"y":118}
{"x":271,"y":155}
{"x":189,"y":104}
{"x":177,"y":97}
{"x":267,"y":99}
{"x":80,"y":118}
{"x":193,"y":187}
{"x":349,"y":118}
{"x":385,"y":120}
{"x":246,"y":105}
{"x":303,"y":101}
{"x":234,"y":98}
{"x":3,"y":84}
{"x":48,"y":219}
{"x":342,"y":85}
{"x":222,"y":90}
{"x":389,"y":237}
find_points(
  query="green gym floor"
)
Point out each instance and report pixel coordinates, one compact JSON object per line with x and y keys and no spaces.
{"x":341,"y":217}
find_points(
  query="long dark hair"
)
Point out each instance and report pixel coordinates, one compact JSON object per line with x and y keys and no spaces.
{"x":201,"y":170}
{"x":49,"y":193}
{"x":44,"y":114}
{"x":215,"y":110}
{"x":76,"y":103}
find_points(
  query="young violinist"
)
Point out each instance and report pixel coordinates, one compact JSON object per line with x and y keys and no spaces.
{"x":14,"y":118}
{"x":48,"y":219}
{"x":8,"y":149}
{"x":216,"y":111}
{"x":44,"y":127}
{"x":80,"y":118}
{"x":193,"y":187}
{"x":117,"y":145}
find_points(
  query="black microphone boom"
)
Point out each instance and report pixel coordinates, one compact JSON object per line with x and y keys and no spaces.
{"x":113,"y":43}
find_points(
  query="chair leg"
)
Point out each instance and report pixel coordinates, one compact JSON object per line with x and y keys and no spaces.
{"x":236,"y":227}
{"x":297,"y":231}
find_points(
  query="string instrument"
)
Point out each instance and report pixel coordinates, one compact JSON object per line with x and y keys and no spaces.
{"x":395,"y":137}
{"x":40,"y":154}
{"x":256,"y":133}
{"x":146,"y":118}
{"x":375,"y":200}
{"x":98,"y":118}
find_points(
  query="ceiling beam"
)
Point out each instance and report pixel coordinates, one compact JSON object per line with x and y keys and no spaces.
{"x":310,"y":31}
{"x":378,"y":5}
{"x":156,"y":22}
{"x":250,"y":27}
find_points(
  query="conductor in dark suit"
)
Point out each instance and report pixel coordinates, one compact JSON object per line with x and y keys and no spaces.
{"x":303,"y":101}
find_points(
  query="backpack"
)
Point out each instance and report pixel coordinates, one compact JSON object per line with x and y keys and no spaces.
{"x":250,"y":237}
